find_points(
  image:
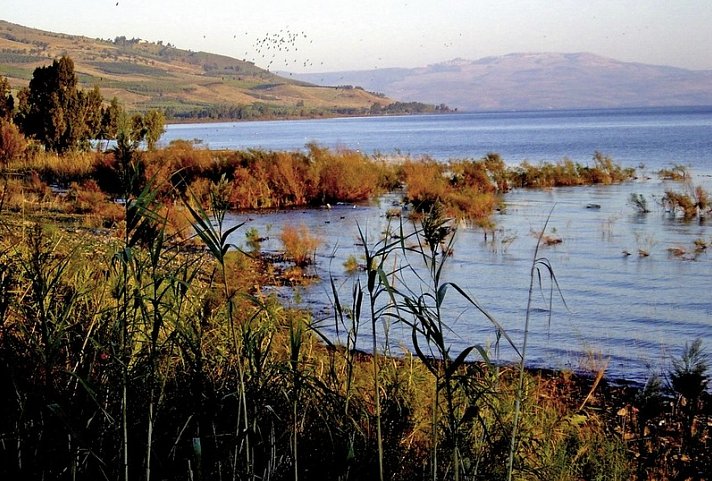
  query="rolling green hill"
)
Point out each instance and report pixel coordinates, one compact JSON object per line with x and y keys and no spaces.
{"x":186,"y":84}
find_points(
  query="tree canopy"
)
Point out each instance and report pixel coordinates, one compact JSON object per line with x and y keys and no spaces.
{"x":7,"y":103}
{"x":55,"y":109}
{"x":56,"y":113}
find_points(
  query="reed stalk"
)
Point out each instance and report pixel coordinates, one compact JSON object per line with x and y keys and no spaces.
{"x":538,"y":264}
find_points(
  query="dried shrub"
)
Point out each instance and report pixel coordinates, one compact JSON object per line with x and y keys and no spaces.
{"x":12,"y":143}
{"x":346,"y":176}
{"x":199,"y":191}
{"x":299,"y":244}
{"x":13,"y":195}
{"x":425,"y":183}
{"x":291,"y":179}
{"x":178,"y":165}
{"x":677,"y":172}
{"x":250,"y":190}
{"x":86,"y":197}
{"x":467,"y":189}
{"x":66,"y":168}
{"x":689,"y":205}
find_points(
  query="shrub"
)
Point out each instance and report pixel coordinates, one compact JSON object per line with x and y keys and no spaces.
{"x":639,"y":203}
{"x":676,"y":172}
{"x":689,"y":378}
{"x":690,"y":205}
{"x":351,"y":264}
{"x":12,"y":142}
{"x":425,"y":183}
{"x":300,"y":244}
{"x":346,"y":175}
{"x":253,"y":239}
{"x":689,"y":374}
{"x":85,"y":197}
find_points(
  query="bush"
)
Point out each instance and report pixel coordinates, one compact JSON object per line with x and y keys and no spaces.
{"x":300,"y":245}
{"x":639,"y":203}
{"x":691,"y":205}
{"x":86,"y":197}
{"x":345,"y":176}
{"x":676,"y":172}
{"x":12,"y":143}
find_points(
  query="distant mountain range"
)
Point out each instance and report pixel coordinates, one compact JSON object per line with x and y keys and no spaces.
{"x":533,"y":81}
{"x":147,"y":75}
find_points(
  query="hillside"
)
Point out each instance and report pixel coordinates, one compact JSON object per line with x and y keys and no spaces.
{"x":534,"y":81}
{"x":145,"y":75}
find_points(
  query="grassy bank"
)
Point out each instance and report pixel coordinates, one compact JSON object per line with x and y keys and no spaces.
{"x":135,"y":343}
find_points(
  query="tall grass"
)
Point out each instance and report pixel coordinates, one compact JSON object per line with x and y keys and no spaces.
{"x":149,"y":367}
{"x":158,"y":354}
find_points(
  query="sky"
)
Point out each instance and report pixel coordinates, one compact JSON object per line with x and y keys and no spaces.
{"x":334,"y":35}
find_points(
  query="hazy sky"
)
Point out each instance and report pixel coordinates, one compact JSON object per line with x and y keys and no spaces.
{"x":333,"y":35}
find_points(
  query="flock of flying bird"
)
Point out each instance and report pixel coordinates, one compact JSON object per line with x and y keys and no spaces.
{"x":276,"y":47}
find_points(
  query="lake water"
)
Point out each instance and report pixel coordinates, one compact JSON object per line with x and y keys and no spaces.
{"x":633,"y":311}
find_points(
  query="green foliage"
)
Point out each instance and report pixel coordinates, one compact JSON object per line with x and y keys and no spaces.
{"x":569,"y":173}
{"x":148,"y":127}
{"x":689,"y":375}
{"x":639,"y":203}
{"x":125,"y":68}
{"x":254,"y":240}
{"x":110,"y":120}
{"x":154,"y":123}
{"x":7,"y":102}
{"x":55,"y":112}
{"x":62,"y":118}
{"x":689,"y":378}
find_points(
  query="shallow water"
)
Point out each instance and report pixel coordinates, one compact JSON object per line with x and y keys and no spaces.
{"x":636,"y":312}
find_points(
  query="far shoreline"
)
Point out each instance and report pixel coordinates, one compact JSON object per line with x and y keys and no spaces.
{"x":457,"y":111}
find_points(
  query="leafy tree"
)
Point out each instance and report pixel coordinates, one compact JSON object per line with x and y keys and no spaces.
{"x":55,"y":112}
{"x":92,"y":111}
{"x":7,"y":103}
{"x":154,"y":122}
{"x":138,"y":131}
{"x":23,"y":106}
{"x":110,"y":115}
{"x":148,"y":127}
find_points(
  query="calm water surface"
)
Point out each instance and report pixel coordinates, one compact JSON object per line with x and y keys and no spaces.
{"x":654,"y":137}
{"x":634,"y":311}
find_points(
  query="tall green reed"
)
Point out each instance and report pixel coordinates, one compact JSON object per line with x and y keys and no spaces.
{"x":419,"y":304}
{"x":539,"y":265}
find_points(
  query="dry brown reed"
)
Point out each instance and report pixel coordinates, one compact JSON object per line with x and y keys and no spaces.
{"x":300,"y":244}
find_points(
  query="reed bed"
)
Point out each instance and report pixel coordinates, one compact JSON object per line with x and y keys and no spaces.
{"x":157,"y":352}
